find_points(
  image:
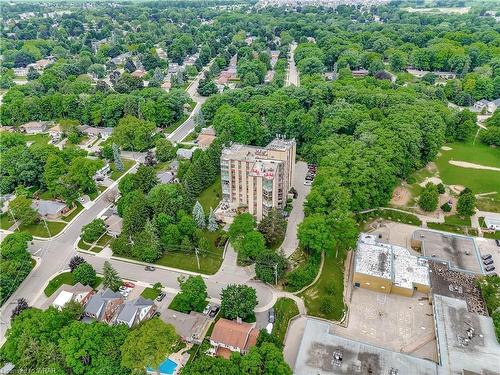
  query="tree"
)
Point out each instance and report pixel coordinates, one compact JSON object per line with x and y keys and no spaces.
{"x":466,"y":205}
{"x":148,"y":345}
{"x":116,"y":156}
{"x":264,"y":359}
{"x":21,"y":209}
{"x":429,"y":198}
{"x":204,"y":364}
{"x":199,"y":215}
{"x":440,"y":188}
{"x":134,"y":134}
{"x":21,"y":305}
{"x":75,"y":262}
{"x":93,"y":230}
{"x":150,"y":159}
{"x":242,"y":224}
{"x":270,"y":266}
{"x":146,"y":246}
{"x":273,"y":227}
{"x":238,"y":301}
{"x":251,"y":245}
{"x":110,"y":279}
{"x":84,"y":274}
{"x":145,"y":178}
{"x":165,"y":151}
{"x":168,"y":199}
{"x":192,"y":296}
{"x":212,"y":225}
{"x":315,"y":235}
{"x":32,"y":74}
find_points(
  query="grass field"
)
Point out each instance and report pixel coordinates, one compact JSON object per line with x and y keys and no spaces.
{"x":211,"y":196}
{"x":6,"y":221}
{"x":325,"y":298}
{"x":42,"y":139}
{"x":150,"y":293}
{"x":284,"y":310}
{"x":209,"y":263}
{"x":115,"y":175}
{"x":479,"y":181}
{"x":64,"y":278}
{"x":40,"y":230}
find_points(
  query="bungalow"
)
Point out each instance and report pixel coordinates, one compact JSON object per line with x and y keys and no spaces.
{"x":205,"y":138}
{"x":78,"y":293}
{"x":134,"y":312}
{"x":35,"y":127}
{"x":360,"y":73}
{"x":41,"y":64}
{"x":21,"y":72}
{"x":232,"y":336}
{"x":185,"y":153}
{"x":103,"y":306}
{"x":62,"y":299}
{"x":486,"y":105}
{"x":121,"y":59}
{"x":166,"y":177}
{"x":138,"y":73}
{"x":114,"y":225}
{"x":50,"y":210}
{"x":91,"y":131}
{"x":102,"y":173}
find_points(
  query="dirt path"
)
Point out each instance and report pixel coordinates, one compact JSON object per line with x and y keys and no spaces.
{"x":465,"y":164}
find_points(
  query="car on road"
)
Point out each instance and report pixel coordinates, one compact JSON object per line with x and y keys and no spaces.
{"x":160,"y":297}
{"x":271,"y":316}
{"x":213,"y":312}
{"x":307,"y":183}
{"x":150,"y":268}
{"x":486,"y":256}
{"x":489,"y":268}
{"x":207,"y":309}
{"x":487,"y":262}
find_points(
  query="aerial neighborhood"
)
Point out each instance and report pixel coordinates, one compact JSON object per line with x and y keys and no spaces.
{"x":268,"y":187}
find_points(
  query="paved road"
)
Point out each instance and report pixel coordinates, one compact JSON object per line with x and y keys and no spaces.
{"x":188,"y":126}
{"x":290,"y":243}
{"x":292,"y":77}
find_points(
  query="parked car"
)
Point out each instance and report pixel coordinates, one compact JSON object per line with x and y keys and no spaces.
{"x":486,"y":256}
{"x":307,"y":183}
{"x":488,"y":261}
{"x":157,"y":313}
{"x":149,"y":268}
{"x":128,"y":284}
{"x":160,"y":297}
{"x":214,"y":311}
{"x":207,"y":309}
{"x":497,"y":242}
{"x":489,"y":268}
{"x":271,"y":315}
{"x":491,"y":274}
{"x":269,"y":328}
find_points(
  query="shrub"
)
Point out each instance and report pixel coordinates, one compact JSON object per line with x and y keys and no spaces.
{"x":84,"y":274}
{"x":446,"y":207}
{"x":93,"y":230}
{"x":326,"y":305}
{"x":441,"y":189}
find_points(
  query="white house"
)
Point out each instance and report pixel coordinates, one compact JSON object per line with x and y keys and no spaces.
{"x":134,"y":312}
{"x":62,"y":299}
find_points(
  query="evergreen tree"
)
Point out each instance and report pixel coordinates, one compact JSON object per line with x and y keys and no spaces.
{"x":199,"y":215}
{"x":118,"y":161}
{"x":158,"y":75}
{"x":147,"y":245}
{"x":111,"y":279}
{"x":212,"y":225}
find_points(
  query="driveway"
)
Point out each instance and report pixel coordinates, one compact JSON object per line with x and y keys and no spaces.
{"x":290,"y":243}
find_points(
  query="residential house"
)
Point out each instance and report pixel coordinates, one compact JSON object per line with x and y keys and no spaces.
{"x":51,"y":210}
{"x":102,"y":173}
{"x":486,"y":106}
{"x":205,"y":138}
{"x":167,"y":85}
{"x":359,"y":73}
{"x":56,"y":132}
{"x":40,"y":65}
{"x":274,"y":57}
{"x":166,"y":177}
{"x":103,"y":306}
{"x":21,"y":72}
{"x":232,"y":336}
{"x":91,"y":131}
{"x":134,"y":312}
{"x":138,"y":73}
{"x":121,"y":59}
{"x":185,"y":153}
{"x":78,"y":293}
{"x":114,"y":224}
{"x":269,"y":76}
{"x":35,"y":127}
{"x":62,"y":299}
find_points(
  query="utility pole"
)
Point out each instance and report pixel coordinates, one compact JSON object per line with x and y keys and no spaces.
{"x":276,"y":274}
{"x":197,"y":258}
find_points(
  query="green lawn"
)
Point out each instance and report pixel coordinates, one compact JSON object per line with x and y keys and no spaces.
{"x":150,"y":293}
{"x":6,"y":221}
{"x":37,"y":138}
{"x":40,"y":230}
{"x":64,"y":278}
{"x":75,"y":212}
{"x":190,"y":137}
{"x":209,"y":263}
{"x":284,"y":310}
{"x":325,"y":299}
{"x":104,"y":240}
{"x":211,"y":196}
{"x":47,"y":195}
{"x":83,"y":245}
{"x":115,"y":175}
{"x":479,"y":181}
{"x":175,"y":125}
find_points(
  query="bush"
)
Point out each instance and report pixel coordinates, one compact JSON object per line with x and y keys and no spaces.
{"x":92,"y":231}
{"x":304,"y":274}
{"x":429,"y":198}
{"x":441,"y":189}
{"x":446,"y":207}
{"x":326,"y":305}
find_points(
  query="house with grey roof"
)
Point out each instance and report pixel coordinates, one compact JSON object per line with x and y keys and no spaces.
{"x":134,"y":312}
{"x":50,"y":209}
{"x":103,"y":306}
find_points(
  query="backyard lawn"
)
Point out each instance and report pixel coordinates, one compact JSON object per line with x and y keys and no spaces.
{"x":42,"y":139}
{"x":211,"y":196}
{"x":284,"y":310}
{"x":325,"y":298}
{"x":64,"y":278}
{"x":209,"y":263}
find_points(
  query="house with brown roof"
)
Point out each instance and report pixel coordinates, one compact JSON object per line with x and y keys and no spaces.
{"x":232,"y":336}
{"x":35,"y":127}
{"x":205,"y":138}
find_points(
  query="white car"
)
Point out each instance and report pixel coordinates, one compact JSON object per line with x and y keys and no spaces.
{"x":269,"y":328}
{"x":207,"y":309}
{"x":307,"y":183}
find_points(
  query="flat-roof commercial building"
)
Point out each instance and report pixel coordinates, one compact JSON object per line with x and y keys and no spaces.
{"x":389,"y":269}
{"x":256,"y":179}
{"x":322,"y":352}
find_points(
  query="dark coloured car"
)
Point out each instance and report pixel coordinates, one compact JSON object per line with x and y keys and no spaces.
{"x":272,"y":317}
{"x":497,"y":242}
{"x":489,"y":268}
{"x":488,"y":261}
{"x":149,"y":268}
{"x":486,"y":256}
{"x":213,"y":312}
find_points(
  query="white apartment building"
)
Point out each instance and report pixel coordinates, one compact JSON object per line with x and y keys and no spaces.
{"x":256,"y":179}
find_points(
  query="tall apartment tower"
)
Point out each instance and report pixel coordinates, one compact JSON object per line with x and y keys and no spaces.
{"x":256,"y":178}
